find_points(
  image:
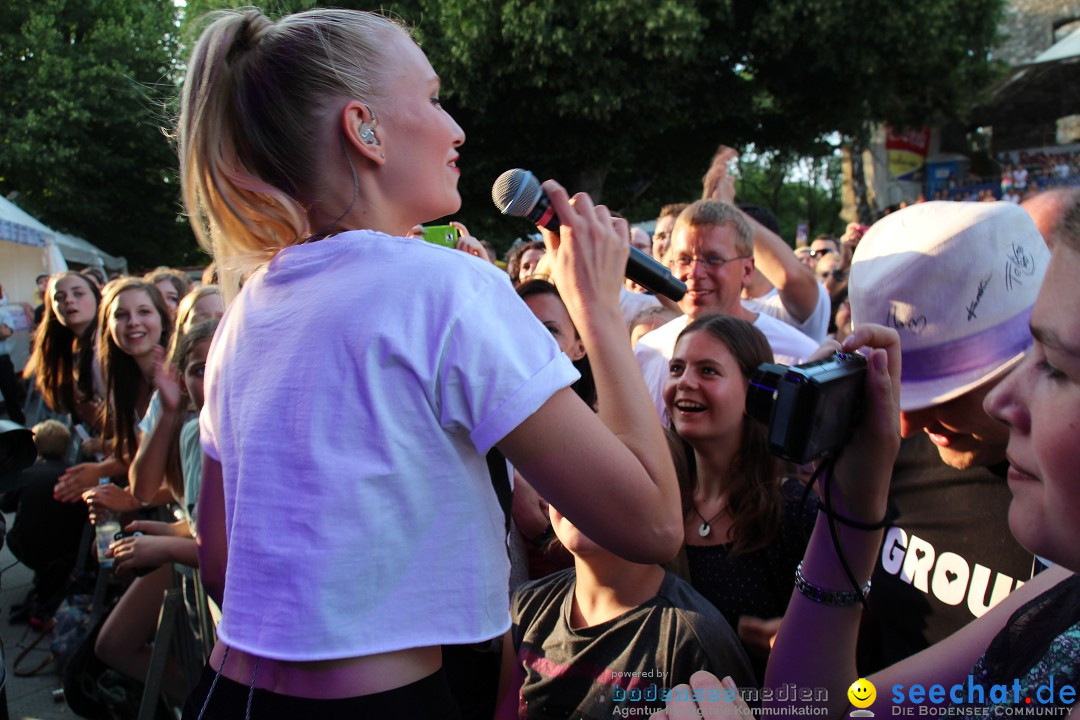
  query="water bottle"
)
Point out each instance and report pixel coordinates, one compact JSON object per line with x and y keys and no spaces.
{"x":108,"y":525}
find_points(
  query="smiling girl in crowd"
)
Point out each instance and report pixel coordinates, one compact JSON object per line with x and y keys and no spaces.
{"x":745,"y":528}
{"x":124,"y":639}
{"x":132,"y":321}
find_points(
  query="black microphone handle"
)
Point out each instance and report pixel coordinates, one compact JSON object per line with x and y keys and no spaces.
{"x":641,"y":268}
{"x":654,"y":277}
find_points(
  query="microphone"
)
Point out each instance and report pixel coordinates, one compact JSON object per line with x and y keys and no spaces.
{"x":518,"y":193}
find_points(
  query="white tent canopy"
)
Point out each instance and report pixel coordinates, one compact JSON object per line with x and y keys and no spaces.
{"x":18,"y":226}
{"x":75,"y":249}
{"x":25,"y":244}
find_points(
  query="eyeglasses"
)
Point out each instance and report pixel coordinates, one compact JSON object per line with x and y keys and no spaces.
{"x":837,"y":275}
{"x":819,"y":253}
{"x":709,"y":261}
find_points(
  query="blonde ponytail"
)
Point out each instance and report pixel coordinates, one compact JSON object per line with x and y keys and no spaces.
{"x":253,"y":92}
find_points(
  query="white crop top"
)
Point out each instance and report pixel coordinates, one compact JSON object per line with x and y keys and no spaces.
{"x":352,"y":390}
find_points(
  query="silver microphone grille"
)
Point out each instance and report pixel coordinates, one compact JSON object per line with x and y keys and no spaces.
{"x":515,"y":192}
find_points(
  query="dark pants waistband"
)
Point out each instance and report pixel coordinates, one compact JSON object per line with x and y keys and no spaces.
{"x":426,"y":699}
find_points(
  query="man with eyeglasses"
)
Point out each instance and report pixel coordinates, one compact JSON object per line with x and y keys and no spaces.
{"x":712,"y":251}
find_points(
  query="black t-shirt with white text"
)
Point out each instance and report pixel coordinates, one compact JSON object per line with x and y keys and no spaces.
{"x":947,"y":556}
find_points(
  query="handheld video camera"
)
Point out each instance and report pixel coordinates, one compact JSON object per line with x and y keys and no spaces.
{"x":810,"y":409}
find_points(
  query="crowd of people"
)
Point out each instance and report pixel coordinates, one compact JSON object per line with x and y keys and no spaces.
{"x":535,"y":492}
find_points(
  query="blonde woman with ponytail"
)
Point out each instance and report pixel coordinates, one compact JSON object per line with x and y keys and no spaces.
{"x":360,"y":378}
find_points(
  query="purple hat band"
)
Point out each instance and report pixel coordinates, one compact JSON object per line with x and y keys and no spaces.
{"x":991,"y":346}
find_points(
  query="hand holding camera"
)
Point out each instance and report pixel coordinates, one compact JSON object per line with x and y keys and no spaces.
{"x":845,"y":405}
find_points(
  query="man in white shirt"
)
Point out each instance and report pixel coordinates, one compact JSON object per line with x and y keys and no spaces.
{"x":712,"y":251}
{"x":804,"y":305}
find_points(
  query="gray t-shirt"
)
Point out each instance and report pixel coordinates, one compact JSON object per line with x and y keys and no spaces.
{"x":623,"y":666}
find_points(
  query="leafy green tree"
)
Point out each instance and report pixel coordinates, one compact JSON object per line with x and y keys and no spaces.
{"x":627,"y":99}
{"x":84,"y":90}
{"x":796,"y":190}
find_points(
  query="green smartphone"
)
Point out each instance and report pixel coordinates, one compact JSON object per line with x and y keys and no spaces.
{"x":441,"y":235}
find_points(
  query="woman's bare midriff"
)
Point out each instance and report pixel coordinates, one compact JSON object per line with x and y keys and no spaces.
{"x":330,"y":679}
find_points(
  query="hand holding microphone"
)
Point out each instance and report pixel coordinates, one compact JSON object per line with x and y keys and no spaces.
{"x":518,"y":193}
{"x":588,"y":249}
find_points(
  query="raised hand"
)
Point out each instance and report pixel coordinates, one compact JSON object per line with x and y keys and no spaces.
{"x":166,"y":382}
{"x":718,"y":184}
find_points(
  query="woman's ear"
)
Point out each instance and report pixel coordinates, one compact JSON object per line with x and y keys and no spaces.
{"x":359,"y":129}
{"x":578,"y":350}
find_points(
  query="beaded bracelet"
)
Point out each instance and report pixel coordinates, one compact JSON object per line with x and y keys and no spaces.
{"x":823,"y":596}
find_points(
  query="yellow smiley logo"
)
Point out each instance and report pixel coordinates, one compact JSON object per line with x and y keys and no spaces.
{"x":862,"y":693}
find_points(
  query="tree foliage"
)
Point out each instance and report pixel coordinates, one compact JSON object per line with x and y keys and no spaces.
{"x":628,"y":99}
{"x":81,"y":117}
{"x":625,"y":99}
{"x":796,"y":190}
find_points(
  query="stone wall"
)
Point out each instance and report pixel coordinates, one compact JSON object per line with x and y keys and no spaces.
{"x":1029,"y":27}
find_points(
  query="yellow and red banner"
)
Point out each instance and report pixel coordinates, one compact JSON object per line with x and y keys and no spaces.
{"x":906,"y":150}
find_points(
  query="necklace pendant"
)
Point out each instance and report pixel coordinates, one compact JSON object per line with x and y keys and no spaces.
{"x":704,"y":530}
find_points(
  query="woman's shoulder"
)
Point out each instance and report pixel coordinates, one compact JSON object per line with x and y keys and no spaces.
{"x":369,"y":271}
{"x":537,"y":594}
{"x":417,"y":253}
{"x":702,"y":629}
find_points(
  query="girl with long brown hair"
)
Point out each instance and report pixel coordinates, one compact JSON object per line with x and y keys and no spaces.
{"x":132,"y":320}
{"x":62,"y":359}
{"x":745,"y":526}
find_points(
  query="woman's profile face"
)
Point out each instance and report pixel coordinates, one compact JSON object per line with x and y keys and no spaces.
{"x":134,"y":323}
{"x":705,"y":391}
{"x":194,"y":372}
{"x":74,"y":304}
{"x":418,"y":138}
{"x":550,"y":310}
{"x":529,"y":260}
{"x":1040,"y":402}
{"x":208,"y":307}
{"x":170,"y":294}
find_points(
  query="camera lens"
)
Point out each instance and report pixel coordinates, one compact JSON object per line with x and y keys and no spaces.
{"x":761,"y":392}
